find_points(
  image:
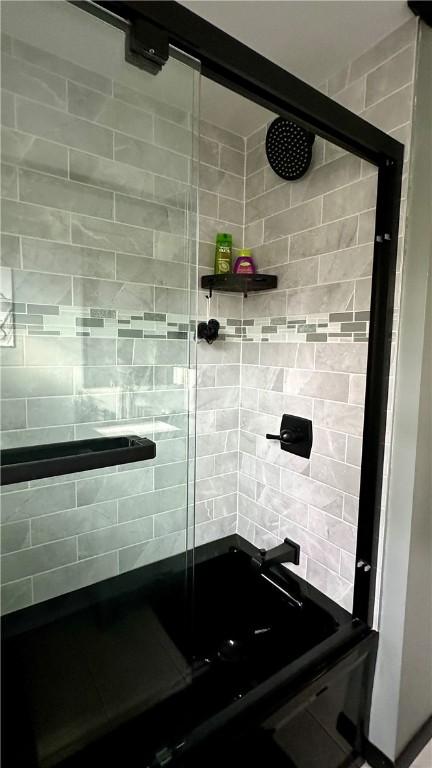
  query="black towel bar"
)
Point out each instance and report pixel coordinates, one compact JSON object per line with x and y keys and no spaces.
{"x":36,"y":461}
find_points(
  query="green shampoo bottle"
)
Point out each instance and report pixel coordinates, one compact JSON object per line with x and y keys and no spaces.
{"x":223,"y":254}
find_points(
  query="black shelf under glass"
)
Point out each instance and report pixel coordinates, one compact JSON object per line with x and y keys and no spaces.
{"x":239,"y":283}
{"x":36,"y":461}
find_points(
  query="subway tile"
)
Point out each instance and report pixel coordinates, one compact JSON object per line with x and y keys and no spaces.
{"x":132,"y":268}
{"x":75,"y":576}
{"x":62,"y":67}
{"x":353,"y":96}
{"x":335,"y":473}
{"x":22,"y":437}
{"x":14,"y":415}
{"x":334,"y":386}
{"x":118,"y":485}
{"x":346,"y":265}
{"x":99,"y":233}
{"x":265,"y":304}
{"x":9,"y":181}
{"x":402,"y":36}
{"x":232,"y":161}
{"x":122,"y":377}
{"x":52,"y":411}
{"x":54,"y":125}
{"x":68,"y":195}
{"x":143,"y":213}
{"x":223,"y":397}
{"x":61,"y":258}
{"x":141,"y":154}
{"x":222,"y":136}
{"x":392,"y":111}
{"x":347,"y":566}
{"x":103,"y":109}
{"x":169,"y":522}
{"x":10,"y":255}
{"x":170,"y":475}
{"x":329,"y":443}
{"x":31,"y":382}
{"x":324,"y":239}
{"x":267,"y":377}
{"x":283,"y":505}
{"x":357,"y":389}
{"x":61,"y":525}
{"x":215,"y":529}
{"x":255,"y":159}
{"x":295,"y":219}
{"x":28,"y":562}
{"x":271,"y":201}
{"x":152,"y":551}
{"x":254,"y":184}
{"x":69,"y":351}
{"x":225,"y":505}
{"x":34,"y":221}
{"x":115,"y":537}
{"x":32,"y":152}
{"x":24,"y":79}
{"x":230,"y":210}
{"x":353,"y":198}
{"x":210,"y":227}
{"x":175,"y":193}
{"x":217,"y":180}
{"x":282,"y":354}
{"x":337,"y":173}
{"x":333,"y":297}
{"x":312,"y":492}
{"x":168,"y":247}
{"x":43,"y":288}
{"x":111,"y":174}
{"x":257,"y":513}
{"x":110,"y":293}
{"x":15,"y":536}
{"x":354,"y":450}
{"x":312,"y":546}
{"x":363,"y":290}
{"x":389,"y":76}
{"x":216,"y":486}
{"x":7,"y":111}
{"x":326,"y":581}
{"x":350,"y":509}
{"x":209,"y":152}
{"x":171,"y":300}
{"x":152,"y":352}
{"x":149,"y":104}
{"x":339,"y":416}
{"x":172,"y":136}
{"x":208,"y":204}
{"x":16,"y":595}
{"x":343,"y":357}
{"x":152,"y":503}
{"x":13,"y":355}
{"x":297,"y":273}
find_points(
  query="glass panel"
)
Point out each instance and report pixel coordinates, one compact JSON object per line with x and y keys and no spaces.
{"x":98,"y":255}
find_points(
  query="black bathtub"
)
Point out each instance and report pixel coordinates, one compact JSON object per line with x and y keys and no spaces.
{"x":258,"y":667}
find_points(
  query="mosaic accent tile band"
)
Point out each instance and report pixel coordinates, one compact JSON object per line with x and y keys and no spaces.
{"x":50,"y":320}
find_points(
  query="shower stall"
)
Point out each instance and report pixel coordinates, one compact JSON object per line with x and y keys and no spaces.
{"x":173,"y":584}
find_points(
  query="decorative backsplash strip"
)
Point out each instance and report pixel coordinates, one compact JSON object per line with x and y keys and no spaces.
{"x":333,"y":326}
{"x":45,"y":319}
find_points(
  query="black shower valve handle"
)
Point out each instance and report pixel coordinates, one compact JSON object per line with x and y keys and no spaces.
{"x":286,"y":436}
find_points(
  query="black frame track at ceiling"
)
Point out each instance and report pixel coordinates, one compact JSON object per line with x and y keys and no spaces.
{"x":234,"y":65}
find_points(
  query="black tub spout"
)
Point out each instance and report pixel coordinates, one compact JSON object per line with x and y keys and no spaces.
{"x":288,"y":552}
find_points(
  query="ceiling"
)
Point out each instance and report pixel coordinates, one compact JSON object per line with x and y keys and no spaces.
{"x":311,"y":39}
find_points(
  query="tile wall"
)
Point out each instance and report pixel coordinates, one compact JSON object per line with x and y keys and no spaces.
{"x":70,"y":151}
{"x":317,"y":236}
{"x":95,"y":187}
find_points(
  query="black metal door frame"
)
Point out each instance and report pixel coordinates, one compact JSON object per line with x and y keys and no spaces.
{"x":229,"y":62}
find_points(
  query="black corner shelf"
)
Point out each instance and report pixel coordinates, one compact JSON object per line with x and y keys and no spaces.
{"x":37,"y":461}
{"x":239,"y":283}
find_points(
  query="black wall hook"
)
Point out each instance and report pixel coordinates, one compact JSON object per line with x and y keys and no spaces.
{"x":208,"y":331}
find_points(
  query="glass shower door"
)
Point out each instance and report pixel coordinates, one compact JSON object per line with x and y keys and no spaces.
{"x":98,"y":262}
